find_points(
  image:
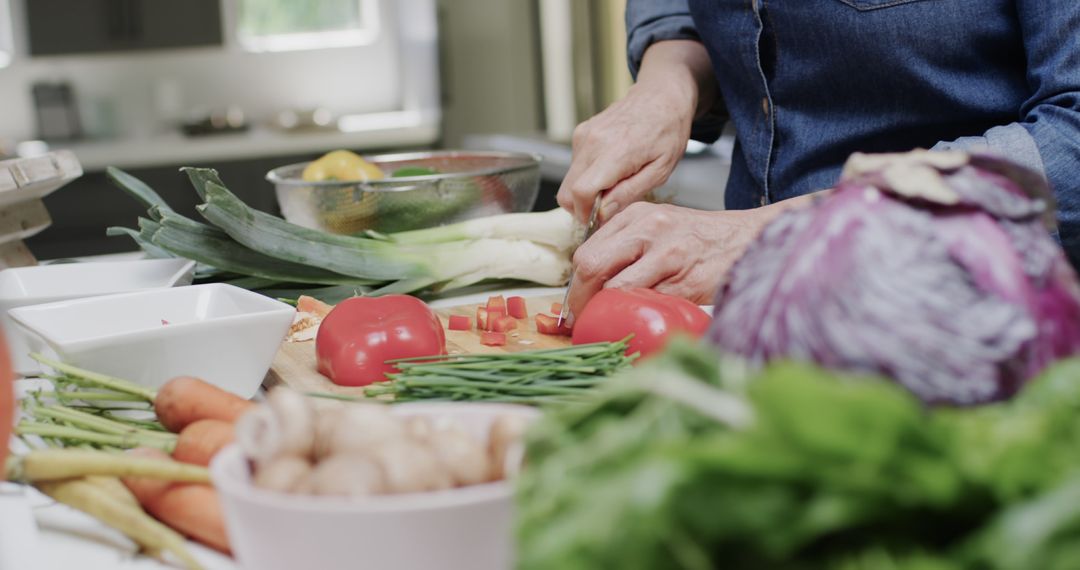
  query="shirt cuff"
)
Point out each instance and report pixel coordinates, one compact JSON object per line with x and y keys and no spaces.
{"x":642,"y":34}
{"x":643,"y":30}
{"x":1010,"y":141}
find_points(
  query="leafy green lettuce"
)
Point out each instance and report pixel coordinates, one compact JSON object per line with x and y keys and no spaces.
{"x":691,"y":462}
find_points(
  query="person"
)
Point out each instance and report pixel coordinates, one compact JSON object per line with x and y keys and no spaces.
{"x":805,"y":84}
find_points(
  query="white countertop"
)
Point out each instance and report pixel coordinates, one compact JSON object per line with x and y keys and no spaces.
{"x":68,"y":539}
{"x":381,"y":130}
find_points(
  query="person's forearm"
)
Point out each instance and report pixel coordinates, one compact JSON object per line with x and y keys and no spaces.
{"x":682,"y":65}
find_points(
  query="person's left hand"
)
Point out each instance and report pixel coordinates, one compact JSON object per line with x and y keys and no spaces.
{"x":677,"y":251}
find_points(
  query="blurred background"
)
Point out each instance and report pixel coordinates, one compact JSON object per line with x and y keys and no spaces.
{"x":248,"y":85}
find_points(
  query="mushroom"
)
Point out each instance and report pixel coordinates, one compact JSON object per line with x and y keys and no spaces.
{"x":418,"y":428}
{"x":463,"y":456}
{"x":285,"y":473}
{"x":409,"y":467}
{"x":347,"y":474}
{"x":361,"y":427}
{"x":282,"y":426}
{"x":506,"y":444}
{"x":326,"y":420}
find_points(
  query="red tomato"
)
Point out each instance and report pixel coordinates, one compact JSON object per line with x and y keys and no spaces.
{"x":549,"y":325}
{"x":357,"y":338}
{"x":459,"y":323}
{"x":483,"y":322}
{"x":503,"y":324}
{"x":488,"y":338}
{"x":515,"y":307}
{"x":496,"y":309}
{"x":614,"y":314}
{"x":7,"y":398}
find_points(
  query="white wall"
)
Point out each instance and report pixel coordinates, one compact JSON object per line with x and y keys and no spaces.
{"x":133,"y":87}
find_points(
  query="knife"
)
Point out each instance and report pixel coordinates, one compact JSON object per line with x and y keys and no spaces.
{"x":588,"y":232}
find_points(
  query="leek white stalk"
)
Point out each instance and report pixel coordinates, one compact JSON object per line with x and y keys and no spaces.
{"x":554,"y":228}
{"x":467,"y":262}
{"x":532,"y":247}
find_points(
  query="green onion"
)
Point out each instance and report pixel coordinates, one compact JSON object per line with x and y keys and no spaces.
{"x":535,"y":377}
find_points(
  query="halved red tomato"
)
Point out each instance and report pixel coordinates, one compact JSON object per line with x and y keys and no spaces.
{"x":652,"y":317}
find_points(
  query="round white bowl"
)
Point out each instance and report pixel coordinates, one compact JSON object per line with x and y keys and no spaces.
{"x":467,"y":528}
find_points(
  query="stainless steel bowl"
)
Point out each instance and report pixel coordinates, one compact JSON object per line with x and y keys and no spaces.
{"x":469,"y":184}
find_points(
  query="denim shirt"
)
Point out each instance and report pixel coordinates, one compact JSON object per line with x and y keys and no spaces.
{"x":808,"y":82}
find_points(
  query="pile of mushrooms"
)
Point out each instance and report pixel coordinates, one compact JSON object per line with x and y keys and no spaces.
{"x":362,"y":449}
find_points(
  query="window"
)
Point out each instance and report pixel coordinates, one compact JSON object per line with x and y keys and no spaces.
{"x":6,"y":45}
{"x":286,"y":25}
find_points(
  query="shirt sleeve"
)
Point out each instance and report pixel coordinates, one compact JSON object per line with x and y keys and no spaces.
{"x":1047,"y":136}
{"x":651,"y":21}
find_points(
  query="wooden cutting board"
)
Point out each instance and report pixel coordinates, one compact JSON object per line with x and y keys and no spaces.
{"x":294,"y":365}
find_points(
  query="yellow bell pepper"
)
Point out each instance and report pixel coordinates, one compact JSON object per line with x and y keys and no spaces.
{"x":341,"y":165}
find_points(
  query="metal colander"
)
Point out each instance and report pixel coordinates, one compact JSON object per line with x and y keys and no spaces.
{"x":469,"y":184}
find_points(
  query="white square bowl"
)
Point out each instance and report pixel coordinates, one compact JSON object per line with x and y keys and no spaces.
{"x":225,"y":335}
{"x":23,"y":286}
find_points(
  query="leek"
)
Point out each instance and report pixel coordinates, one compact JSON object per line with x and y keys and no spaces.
{"x":247,"y":243}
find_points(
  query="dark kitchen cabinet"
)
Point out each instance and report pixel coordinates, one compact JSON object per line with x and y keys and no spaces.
{"x":82,"y":210}
{"x":58,"y":27}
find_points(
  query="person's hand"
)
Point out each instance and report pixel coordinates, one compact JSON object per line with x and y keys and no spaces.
{"x":632,"y":146}
{"x":628,"y":150}
{"x":677,"y":251}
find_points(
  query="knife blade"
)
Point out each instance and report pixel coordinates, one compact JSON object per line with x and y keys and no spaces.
{"x":565,"y":310}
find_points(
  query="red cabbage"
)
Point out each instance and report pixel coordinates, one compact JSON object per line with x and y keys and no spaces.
{"x":935,"y":269}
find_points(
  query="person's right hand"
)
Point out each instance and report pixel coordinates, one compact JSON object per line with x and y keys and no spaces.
{"x":632,"y":146}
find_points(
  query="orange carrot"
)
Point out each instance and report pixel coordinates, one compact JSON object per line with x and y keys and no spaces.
{"x":191,"y":509}
{"x":184,"y":400}
{"x":305,"y":304}
{"x":200,"y":441}
{"x":146,"y":489}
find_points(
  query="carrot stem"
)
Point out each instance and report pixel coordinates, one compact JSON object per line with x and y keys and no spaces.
{"x":55,"y":464}
{"x":95,"y":378}
{"x":125,"y":441}
{"x":93,"y":500}
{"x":95,"y":423}
{"x":90,"y":396}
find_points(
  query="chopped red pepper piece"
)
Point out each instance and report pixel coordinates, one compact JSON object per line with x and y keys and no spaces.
{"x":496,"y":307}
{"x":515,"y":307}
{"x":556,"y":308}
{"x":547,"y":324}
{"x":460,"y":323}
{"x":488,"y":338}
{"x":503,"y":324}
{"x":482,"y":319}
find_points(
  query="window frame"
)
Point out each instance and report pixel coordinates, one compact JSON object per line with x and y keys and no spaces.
{"x":307,"y":41}
{"x":7,"y":35}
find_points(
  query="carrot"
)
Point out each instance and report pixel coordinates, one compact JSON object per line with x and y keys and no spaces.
{"x":184,"y":400}
{"x":191,"y":509}
{"x":91,"y":499}
{"x":305,"y":304}
{"x":200,"y":441}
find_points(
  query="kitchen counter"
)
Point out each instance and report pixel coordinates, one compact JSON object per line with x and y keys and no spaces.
{"x":67,"y":538}
{"x":380,"y":130}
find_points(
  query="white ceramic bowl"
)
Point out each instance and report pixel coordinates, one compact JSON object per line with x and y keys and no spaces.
{"x":223,"y":334}
{"x":468,"y":528}
{"x":24,"y":286}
